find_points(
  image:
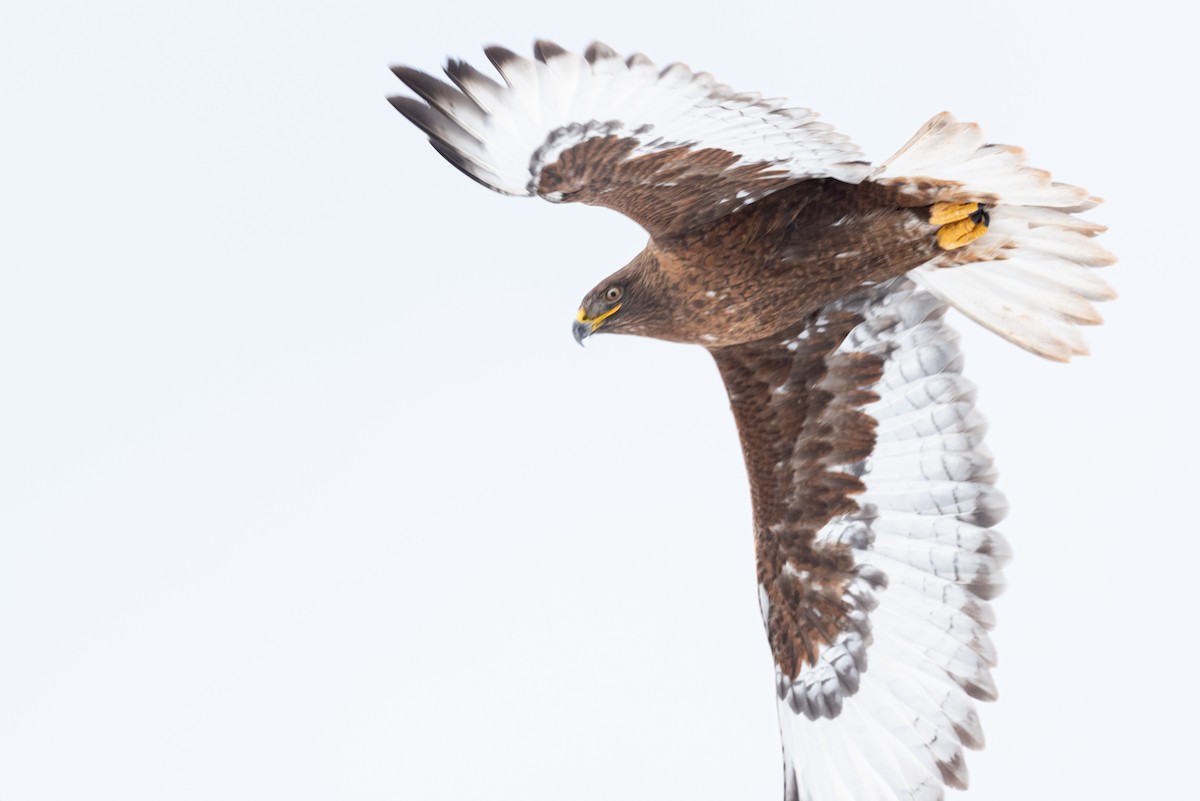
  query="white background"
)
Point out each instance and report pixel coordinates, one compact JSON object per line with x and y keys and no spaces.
{"x":307,"y":493}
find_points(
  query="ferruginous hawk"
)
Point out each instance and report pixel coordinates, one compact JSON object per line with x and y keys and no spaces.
{"x":819,"y":283}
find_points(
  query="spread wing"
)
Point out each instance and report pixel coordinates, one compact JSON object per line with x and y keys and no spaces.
{"x":873,"y":503}
{"x":662,"y":146}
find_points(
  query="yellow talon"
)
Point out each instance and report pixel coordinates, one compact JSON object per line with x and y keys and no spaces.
{"x":961,"y":223}
{"x":942,"y":213}
{"x":959,"y":233}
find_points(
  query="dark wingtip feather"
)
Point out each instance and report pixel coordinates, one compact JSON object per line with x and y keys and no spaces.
{"x":954,"y":771}
{"x":454,"y":157}
{"x":429,"y":120}
{"x":980,"y":691}
{"x":417,"y":113}
{"x":544,"y":50}
{"x":411,"y":77}
{"x":436,"y":93}
{"x":412,"y":109}
{"x":597,"y":51}
{"x":463,"y":73}
{"x":499,"y":56}
{"x":970,"y":737}
{"x":421,"y":83}
{"x":444,"y":134}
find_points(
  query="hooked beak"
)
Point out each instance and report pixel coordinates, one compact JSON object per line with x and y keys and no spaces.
{"x":581,"y":330}
{"x":584,"y":327}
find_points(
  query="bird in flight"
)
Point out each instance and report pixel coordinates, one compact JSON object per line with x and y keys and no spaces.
{"x":818,"y":282}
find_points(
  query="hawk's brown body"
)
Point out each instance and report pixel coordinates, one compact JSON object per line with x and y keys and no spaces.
{"x":762,"y":270}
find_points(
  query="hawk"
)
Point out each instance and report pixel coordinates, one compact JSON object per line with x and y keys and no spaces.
{"x":818,"y":282}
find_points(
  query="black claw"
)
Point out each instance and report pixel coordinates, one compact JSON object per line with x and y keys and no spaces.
{"x":980,"y":215}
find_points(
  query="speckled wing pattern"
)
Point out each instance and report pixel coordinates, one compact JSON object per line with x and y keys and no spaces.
{"x":659,"y":145}
{"x":873,"y":505}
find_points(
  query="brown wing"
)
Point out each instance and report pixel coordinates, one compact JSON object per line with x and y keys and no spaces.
{"x":662,"y":146}
{"x":666,"y":192}
{"x":873,"y":502}
{"x":798,"y":403}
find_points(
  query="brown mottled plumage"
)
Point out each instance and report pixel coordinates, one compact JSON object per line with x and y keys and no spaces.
{"x":798,"y":417}
{"x":758,"y":271}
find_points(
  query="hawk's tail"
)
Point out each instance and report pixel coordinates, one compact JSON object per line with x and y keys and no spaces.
{"x":1027,"y":278}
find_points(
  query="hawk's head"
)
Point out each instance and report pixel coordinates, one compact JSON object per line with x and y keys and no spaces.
{"x":600,"y":305}
{"x":633,"y":300}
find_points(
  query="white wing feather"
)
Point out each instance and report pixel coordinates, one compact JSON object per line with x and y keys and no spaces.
{"x":1028,"y":278}
{"x":503,"y":135}
{"x":928,"y":509}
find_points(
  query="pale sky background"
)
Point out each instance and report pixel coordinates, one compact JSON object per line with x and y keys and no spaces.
{"x":307,"y":493}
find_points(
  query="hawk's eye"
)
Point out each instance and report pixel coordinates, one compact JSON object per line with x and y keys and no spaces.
{"x":612,"y":294}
